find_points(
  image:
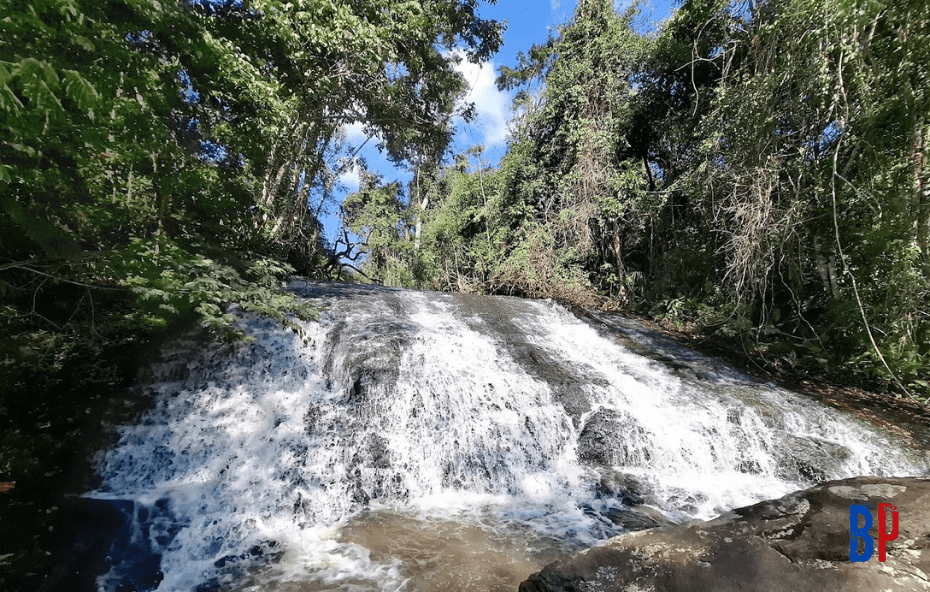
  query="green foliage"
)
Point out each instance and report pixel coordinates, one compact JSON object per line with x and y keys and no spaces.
{"x":377,"y":214}
{"x":166,"y":163}
{"x":814,"y":179}
{"x":172,"y":142}
{"x":755,"y":171}
{"x":167,"y":148}
{"x":576,"y":144}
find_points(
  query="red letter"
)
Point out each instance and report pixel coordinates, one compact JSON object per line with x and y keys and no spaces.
{"x":884,"y":537}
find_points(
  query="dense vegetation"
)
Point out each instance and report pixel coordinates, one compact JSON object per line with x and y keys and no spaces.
{"x":161,"y":161}
{"x":756,"y":171}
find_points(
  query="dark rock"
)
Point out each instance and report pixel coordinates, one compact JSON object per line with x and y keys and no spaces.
{"x":568,"y":393}
{"x":377,"y":452}
{"x":370,"y":355}
{"x":798,"y":542}
{"x":639,"y":518}
{"x":312,"y":419}
{"x":359,"y":496}
{"x":85,"y":529}
{"x":808,"y":459}
{"x":613,"y":438}
{"x":622,"y":487}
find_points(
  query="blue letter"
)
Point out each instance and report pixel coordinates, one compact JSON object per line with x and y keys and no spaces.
{"x":855,"y":533}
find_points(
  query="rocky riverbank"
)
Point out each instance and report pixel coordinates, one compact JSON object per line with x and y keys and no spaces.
{"x":798,"y":542}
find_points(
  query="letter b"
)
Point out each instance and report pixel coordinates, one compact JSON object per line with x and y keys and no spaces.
{"x":855,"y":533}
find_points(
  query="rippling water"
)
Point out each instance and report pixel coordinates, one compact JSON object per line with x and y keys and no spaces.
{"x":424,"y":441}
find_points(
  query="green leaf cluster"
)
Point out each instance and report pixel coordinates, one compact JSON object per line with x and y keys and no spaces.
{"x":164,"y":162}
{"x":757,"y":171}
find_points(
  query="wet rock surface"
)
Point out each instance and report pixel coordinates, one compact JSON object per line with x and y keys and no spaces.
{"x":691,"y":357}
{"x":396,"y":397}
{"x":798,"y":542}
{"x":613,"y":438}
{"x":499,"y":317}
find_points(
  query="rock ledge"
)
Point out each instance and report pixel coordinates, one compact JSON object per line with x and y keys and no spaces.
{"x":799,"y":542}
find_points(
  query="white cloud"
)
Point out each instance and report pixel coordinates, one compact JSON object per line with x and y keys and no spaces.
{"x":554,"y":4}
{"x":492,"y":106}
{"x":350,"y":177}
{"x":355,"y":133}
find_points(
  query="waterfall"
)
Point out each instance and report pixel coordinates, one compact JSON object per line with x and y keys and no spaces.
{"x":405,"y":434}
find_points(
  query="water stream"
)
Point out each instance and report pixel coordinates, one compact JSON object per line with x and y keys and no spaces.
{"x":425,"y":441}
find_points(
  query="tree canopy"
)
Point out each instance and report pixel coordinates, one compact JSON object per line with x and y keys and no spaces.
{"x":754,"y":170}
{"x":164,"y":160}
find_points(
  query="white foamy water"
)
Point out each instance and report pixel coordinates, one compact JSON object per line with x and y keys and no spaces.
{"x":420,"y":441}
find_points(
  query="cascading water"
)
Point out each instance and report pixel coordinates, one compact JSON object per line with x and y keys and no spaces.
{"x":424,"y":441}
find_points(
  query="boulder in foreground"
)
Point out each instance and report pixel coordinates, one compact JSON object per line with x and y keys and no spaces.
{"x":799,"y":542}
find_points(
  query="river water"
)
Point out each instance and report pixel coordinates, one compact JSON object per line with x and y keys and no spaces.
{"x":424,"y":441}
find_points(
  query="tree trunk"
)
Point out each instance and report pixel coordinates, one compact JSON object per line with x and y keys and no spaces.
{"x":827,"y":271}
{"x":618,"y":252}
{"x":424,"y":203}
{"x":922,"y":192}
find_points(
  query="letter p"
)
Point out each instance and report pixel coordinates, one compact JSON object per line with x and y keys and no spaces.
{"x":855,"y":533}
{"x":885,"y":537}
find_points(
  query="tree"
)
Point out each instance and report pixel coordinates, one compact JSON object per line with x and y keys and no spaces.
{"x":387,"y":64}
{"x":757,"y":170}
{"x":163,"y":160}
{"x":139,"y":129}
{"x":591,"y":172}
{"x":377,"y":214}
{"x":815,"y":179}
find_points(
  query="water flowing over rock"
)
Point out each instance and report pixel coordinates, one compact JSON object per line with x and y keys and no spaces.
{"x":798,"y":542}
{"x":425,"y":441}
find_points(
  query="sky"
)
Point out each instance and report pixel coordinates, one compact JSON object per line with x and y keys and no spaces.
{"x":528,"y":23}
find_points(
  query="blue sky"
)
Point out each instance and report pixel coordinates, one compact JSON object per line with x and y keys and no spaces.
{"x":528,"y":22}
